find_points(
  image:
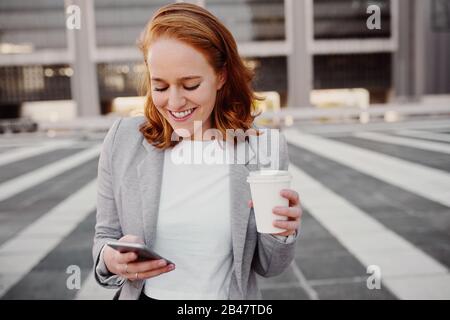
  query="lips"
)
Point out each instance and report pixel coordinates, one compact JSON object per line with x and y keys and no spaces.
{"x":182,"y":116}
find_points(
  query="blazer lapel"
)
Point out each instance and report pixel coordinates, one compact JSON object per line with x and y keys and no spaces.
{"x":150,"y":171}
{"x":239,"y":196}
{"x":256,"y":157}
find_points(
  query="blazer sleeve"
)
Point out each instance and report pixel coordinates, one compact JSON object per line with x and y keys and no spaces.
{"x":275,"y":253}
{"x":107,"y":226}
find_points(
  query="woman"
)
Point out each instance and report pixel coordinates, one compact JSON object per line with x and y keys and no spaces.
{"x":199,"y":216}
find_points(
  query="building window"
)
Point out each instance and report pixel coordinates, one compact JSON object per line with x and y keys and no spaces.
{"x":29,"y":26}
{"x":119,"y":23}
{"x":346,"y":19}
{"x":251,"y":20}
{"x":440,"y":12}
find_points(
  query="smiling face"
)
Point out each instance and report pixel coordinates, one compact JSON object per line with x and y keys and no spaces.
{"x":183,"y":84}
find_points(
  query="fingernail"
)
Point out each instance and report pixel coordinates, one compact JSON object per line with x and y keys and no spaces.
{"x":171,"y":267}
{"x":162,"y":263}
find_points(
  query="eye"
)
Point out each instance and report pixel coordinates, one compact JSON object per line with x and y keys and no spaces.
{"x":160,"y":89}
{"x":192,"y":88}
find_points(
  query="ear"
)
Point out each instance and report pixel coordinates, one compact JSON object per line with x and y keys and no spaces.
{"x":221,"y":78}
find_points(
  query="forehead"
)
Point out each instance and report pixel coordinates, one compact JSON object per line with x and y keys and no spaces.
{"x":170,"y":58}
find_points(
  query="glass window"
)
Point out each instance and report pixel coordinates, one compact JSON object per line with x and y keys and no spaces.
{"x":119,"y":23}
{"x":371,"y":70}
{"x":120,"y":78}
{"x":270,"y":75}
{"x":27,"y":26}
{"x":34,"y":82}
{"x":345,"y":19}
{"x":251,"y":20}
{"x":441,"y":15}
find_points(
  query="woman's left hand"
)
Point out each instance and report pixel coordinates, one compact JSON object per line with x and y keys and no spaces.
{"x":293,"y":213}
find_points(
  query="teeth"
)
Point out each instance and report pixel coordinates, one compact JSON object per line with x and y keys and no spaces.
{"x":182,"y":114}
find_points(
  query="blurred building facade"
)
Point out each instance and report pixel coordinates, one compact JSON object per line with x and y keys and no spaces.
{"x":295,"y":46}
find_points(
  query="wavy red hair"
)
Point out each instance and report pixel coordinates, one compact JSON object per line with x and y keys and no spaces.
{"x":234,"y":106}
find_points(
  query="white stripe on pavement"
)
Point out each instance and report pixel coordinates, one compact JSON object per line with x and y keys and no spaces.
{"x":408,"y":272}
{"x":427,"y":182}
{"x":425,"y":135}
{"x":408,"y":142}
{"x":21,"y":253}
{"x":91,"y":290}
{"x":22,"y":153}
{"x":33,"y":178}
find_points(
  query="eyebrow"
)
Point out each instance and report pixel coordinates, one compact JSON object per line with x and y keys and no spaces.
{"x":182,"y":79}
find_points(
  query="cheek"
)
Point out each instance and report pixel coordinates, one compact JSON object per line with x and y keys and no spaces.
{"x":204,"y":97}
{"x":159,"y":100}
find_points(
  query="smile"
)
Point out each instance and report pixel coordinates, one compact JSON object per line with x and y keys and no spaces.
{"x":182,"y":116}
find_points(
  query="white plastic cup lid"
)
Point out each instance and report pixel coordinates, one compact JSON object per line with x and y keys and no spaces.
{"x":270,"y":173}
{"x":269,"y":176}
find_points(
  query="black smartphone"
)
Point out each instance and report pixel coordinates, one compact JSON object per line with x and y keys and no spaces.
{"x":143,"y":252}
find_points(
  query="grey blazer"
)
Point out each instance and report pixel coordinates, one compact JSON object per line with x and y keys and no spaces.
{"x":129,"y":183}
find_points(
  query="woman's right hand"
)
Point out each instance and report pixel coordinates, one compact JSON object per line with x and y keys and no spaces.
{"x":124,"y":265}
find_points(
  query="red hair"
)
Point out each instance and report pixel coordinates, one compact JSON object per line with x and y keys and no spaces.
{"x":195,"y":26}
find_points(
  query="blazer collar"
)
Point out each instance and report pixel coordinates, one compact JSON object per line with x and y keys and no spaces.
{"x":150,"y":171}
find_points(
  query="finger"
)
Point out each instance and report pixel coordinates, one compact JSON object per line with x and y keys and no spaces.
{"x":287,"y":225}
{"x":132,"y":276}
{"x":250,"y":203}
{"x":291,"y":212}
{"x":123,"y":258}
{"x":122,"y":270}
{"x":156,"y":272}
{"x":285,"y":234}
{"x":146,"y":266}
{"x":291,"y":195}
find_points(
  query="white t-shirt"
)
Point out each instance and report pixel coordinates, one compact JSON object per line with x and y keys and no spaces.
{"x":193,"y":227}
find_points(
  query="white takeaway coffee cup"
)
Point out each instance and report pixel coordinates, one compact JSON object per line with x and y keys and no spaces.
{"x":265,"y":187}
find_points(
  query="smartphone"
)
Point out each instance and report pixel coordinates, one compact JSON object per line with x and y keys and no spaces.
{"x":143,"y":252}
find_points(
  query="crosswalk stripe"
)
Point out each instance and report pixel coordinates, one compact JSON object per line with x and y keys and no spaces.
{"x":91,"y":290}
{"x":427,"y":182}
{"x":23,"y":153}
{"x":21,"y":253}
{"x":28,"y":180}
{"x":425,"y":135}
{"x":312,"y":294}
{"x":408,"y":142}
{"x":4,"y":150}
{"x":403,"y":267}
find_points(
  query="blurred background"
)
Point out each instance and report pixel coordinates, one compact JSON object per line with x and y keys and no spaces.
{"x":361,"y":89}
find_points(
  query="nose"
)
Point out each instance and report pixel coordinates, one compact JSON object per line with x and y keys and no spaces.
{"x":176,"y":100}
